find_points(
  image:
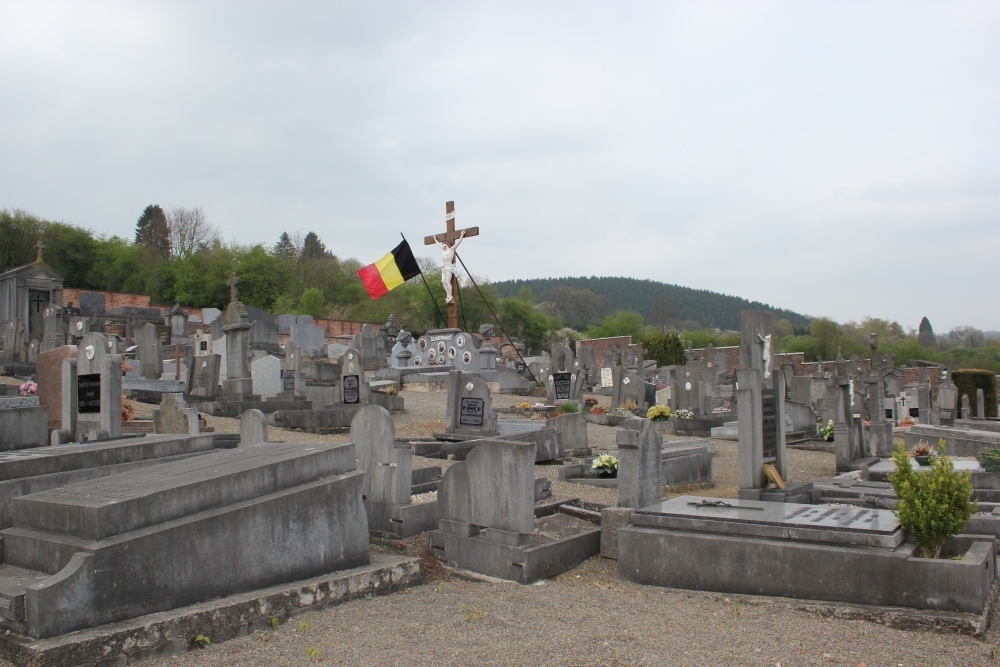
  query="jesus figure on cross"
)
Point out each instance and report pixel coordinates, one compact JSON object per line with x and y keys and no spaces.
{"x":448,"y":265}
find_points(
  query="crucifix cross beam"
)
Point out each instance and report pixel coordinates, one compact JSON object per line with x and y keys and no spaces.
{"x":39,"y":245}
{"x":451,"y":234}
{"x":450,"y":239}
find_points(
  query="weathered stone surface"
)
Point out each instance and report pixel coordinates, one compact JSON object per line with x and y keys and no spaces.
{"x":269,"y":514}
{"x":640,"y":480}
{"x":174,"y":416}
{"x":253,"y":427}
{"x":266,"y":376}
{"x":49,"y":378}
{"x":493,"y":487}
{"x":388,"y":469}
{"x":760,"y":556}
{"x":470,"y":406}
{"x":613,"y":518}
{"x":227,"y":618}
{"x":23,"y":427}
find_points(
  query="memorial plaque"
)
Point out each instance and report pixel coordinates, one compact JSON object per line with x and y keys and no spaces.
{"x":521,"y":368}
{"x":352,"y":389}
{"x":563,"y":382}
{"x":787,"y":521}
{"x":770,"y":425}
{"x":288,"y":379}
{"x":163,"y":333}
{"x":472,"y":412}
{"x":607,"y":378}
{"x":88,"y":393}
{"x":203,"y":345}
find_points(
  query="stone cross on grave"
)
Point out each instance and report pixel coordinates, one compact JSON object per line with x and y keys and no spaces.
{"x":39,"y":245}
{"x":451,"y":238}
{"x":233,"y":281}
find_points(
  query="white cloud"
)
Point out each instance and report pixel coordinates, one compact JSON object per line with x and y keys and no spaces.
{"x":837,"y":159}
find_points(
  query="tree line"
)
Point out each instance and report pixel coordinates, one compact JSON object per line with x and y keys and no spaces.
{"x":177,"y":256}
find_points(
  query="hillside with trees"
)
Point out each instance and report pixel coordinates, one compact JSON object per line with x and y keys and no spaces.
{"x":582,"y":302}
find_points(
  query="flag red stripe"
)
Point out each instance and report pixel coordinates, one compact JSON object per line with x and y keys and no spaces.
{"x":372,"y":280}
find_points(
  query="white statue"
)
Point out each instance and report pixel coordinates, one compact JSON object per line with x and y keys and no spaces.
{"x":448,"y":266}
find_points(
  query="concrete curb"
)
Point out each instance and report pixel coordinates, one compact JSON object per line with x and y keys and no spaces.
{"x":226,"y":618}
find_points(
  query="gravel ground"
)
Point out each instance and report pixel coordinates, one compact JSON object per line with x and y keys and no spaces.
{"x":586,"y":616}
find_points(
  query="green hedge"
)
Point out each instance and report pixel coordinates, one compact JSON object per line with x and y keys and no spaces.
{"x":666,"y":348}
{"x":971,"y":379}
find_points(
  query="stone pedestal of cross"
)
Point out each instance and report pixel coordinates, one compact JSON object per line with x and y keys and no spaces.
{"x":450,"y":237}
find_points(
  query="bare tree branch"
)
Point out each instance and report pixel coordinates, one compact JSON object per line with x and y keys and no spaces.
{"x":190,"y":230}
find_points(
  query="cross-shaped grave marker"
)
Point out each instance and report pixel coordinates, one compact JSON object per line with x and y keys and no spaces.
{"x":39,"y":245}
{"x":451,"y":236}
{"x":233,"y":281}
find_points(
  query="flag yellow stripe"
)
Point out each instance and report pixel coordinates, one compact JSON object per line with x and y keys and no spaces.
{"x":389,"y":271}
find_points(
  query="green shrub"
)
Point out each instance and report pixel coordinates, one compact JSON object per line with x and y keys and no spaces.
{"x":971,"y":379}
{"x":931,"y":506}
{"x":990,"y":460}
{"x":666,"y":348}
{"x":569,"y":408}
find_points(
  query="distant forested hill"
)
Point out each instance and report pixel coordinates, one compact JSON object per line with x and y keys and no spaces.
{"x":583,"y":301}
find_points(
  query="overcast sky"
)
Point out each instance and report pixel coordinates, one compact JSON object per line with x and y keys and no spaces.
{"x":834,"y":158}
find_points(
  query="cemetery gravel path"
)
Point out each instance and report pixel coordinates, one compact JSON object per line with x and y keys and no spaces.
{"x":584,"y":617}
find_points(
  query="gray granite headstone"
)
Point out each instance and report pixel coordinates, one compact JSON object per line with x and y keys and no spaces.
{"x":253,"y":428}
{"x":388,"y":468}
{"x":309,"y":338}
{"x":470,"y":406}
{"x":92,"y":303}
{"x":266,"y":375}
{"x":493,"y":488}
{"x":203,"y":378}
{"x":151,"y":353}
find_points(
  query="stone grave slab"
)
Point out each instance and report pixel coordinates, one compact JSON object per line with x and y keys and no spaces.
{"x":786,"y":521}
{"x":267,"y":515}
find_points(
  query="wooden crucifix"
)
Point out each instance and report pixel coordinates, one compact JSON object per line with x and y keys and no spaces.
{"x":449,"y":243}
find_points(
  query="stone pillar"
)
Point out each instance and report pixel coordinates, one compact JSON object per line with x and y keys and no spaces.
{"x":237,"y":332}
{"x":640,"y":482}
{"x":966,"y":407}
{"x":980,"y":404}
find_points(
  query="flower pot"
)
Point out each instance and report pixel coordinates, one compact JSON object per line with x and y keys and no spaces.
{"x":924,"y":460}
{"x":607,"y":474}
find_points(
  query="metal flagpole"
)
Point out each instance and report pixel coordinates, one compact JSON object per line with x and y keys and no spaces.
{"x":493,"y":312}
{"x":441,"y":317}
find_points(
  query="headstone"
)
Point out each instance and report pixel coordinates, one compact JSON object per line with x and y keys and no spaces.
{"x":174,"y":416}
{"x":365,"y":343}
{"x":966,"y":407}
{"x":353,"y":385}
{"x":253,"y":428}
{"x":980,"y":404}
{"x":493,"y":489}
{"x":178,"y":321}
{"x":92,"y":303}
{"x":266,"y":375}
{"x":470,"y":406}
{"x":56,"y":323}
{"x":309,"y":338}
{"x":285,"y":323}
{"x":388,"y":468}
{"x":639,"y":470}
{"x":48,"y":373}
{"x":948,"y":399}
{"x":92,"y":391}
{"x":151,"y":352}
{"x":202,"y":344}
{"x":203,"y":377}
{"x":210,"y":315}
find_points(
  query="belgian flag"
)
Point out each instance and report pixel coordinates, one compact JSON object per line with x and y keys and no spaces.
{"x":389,"y":272}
